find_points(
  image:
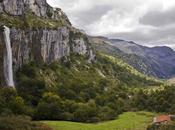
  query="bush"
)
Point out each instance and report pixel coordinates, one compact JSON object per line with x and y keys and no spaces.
{"x":106,"y":113}
{"x":49,"y":108}
{"x":162,"y":127}
{"x":21,"y":123}
{"x":10,"y":102}
{"x":86,"y":112}
{"x":31,"y":90}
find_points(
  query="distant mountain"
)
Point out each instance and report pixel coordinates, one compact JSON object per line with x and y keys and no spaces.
{"x":156,"y":61}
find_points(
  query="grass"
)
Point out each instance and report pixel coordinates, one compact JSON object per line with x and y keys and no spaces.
{"x":126,"y":121}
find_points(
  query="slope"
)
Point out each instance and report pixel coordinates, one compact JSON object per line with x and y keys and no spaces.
{"x":156,"y":61}
{"x":78,"y":90}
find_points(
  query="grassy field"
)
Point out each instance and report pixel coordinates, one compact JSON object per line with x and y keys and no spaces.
{"x":126,"y":121}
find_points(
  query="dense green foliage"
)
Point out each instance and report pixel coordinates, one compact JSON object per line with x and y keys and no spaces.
{"x":126,"y":121}
{"x":21,"y":123}
{"x":170,"y":126}
{"x":162,"y":100}
{"x":11,"y":102}
{"x":11,"y":105}
{"x":76,"y":90}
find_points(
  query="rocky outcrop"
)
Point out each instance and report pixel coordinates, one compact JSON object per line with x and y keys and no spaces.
{"x":1,"y":7}
{"x":39,"y":7}
{"x":41,"y":44}
{"x":45,"y":45}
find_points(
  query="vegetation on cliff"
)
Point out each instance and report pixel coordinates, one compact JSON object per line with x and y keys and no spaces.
{"x":30,"y":20}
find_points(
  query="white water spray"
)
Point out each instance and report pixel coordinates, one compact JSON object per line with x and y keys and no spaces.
{"x":8,"y":69}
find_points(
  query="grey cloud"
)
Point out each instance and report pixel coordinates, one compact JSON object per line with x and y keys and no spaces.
{"x":60,"y":3}
{"x":158,"y":17}
{"x":146,"y":40}
{"x":151,"y":36}
{"x":90,"y":16}
{"x":132,"y":36}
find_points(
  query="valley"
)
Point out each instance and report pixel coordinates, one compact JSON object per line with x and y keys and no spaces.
{"x":56,"y":77}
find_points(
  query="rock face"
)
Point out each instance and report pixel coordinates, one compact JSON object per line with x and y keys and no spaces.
{"x":38,"y":7}
{"x":41,"y":44}
{"x":45,"y":45}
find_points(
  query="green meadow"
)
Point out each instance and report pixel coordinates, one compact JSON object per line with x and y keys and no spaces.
{"x":126,"y":121}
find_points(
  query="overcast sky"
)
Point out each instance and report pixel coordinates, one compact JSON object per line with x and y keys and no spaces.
{"x":147,"y":22}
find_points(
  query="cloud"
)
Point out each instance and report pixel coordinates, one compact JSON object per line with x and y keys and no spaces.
{"x":93,"y":15}
{"x":159,"y":17}
{"x":88,"y":12}
{"x":144,"y":21}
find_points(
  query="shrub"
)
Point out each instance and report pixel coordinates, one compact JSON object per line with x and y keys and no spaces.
{"x":86,"y":112}
{"x":49,"y":107}
{"x":21,"y":123}
{"x":31,"y":90}
{"x":10,"y":102}
{"x":106,"y":113}
{"x":162,"y":127}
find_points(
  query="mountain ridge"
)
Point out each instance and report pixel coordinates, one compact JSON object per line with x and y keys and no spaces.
{"x":153,"y":61}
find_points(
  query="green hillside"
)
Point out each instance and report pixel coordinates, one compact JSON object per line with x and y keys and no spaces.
{"x":144,"y":59}
{"x":139,"y":63}
{"x":80,"y":91}
{"x":75,"y":90}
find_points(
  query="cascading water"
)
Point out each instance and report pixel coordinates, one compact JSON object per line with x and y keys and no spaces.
{"x":8,"y":69}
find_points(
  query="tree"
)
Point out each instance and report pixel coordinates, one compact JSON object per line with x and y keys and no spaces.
{"x":50,"y":107}
{"x":17,"y":105}
{"x":10,"y":102}
{"x":85,"y":112}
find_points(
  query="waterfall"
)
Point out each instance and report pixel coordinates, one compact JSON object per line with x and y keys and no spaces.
{"x":8,"y":69}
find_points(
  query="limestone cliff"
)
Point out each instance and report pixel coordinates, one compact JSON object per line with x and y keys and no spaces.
{"x":39,"y":33}
{"x":39,"y":7}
